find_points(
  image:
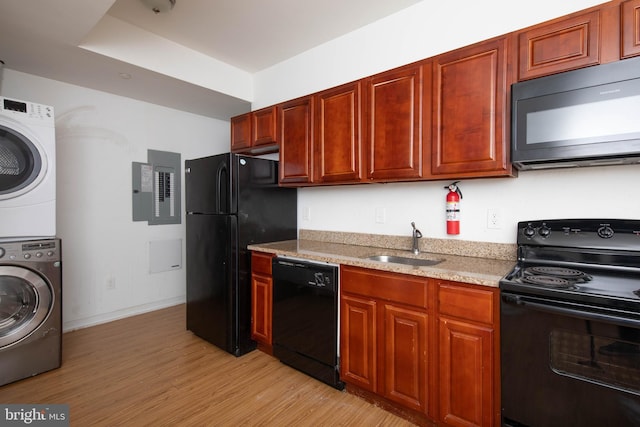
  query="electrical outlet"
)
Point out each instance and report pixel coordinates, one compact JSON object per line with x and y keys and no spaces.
{"x":306,"y":213}
{"x":111,"y":283}
{"x":381,"y":215}
{"x":494,"y":219}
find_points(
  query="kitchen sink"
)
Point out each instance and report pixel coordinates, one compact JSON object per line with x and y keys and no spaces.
{"x":394,"y":259}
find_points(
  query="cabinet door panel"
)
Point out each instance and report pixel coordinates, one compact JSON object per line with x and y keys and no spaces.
{"x":466,"y":374}
{"x":630,"y":28}
{"x":295,"y":139}
{"x":560,"y":46}
{"x":358,"y":342}
{"x":471,"y":111}
{"x":394,"y":123}
{"x":241,"y":132}
{"x":261,"y":308}
{"x":264,"y":127}
{"x":338,"y":134}
{"x":405,"y":357}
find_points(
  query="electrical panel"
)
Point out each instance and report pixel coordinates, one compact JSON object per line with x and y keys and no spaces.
{"x":156,"y":188}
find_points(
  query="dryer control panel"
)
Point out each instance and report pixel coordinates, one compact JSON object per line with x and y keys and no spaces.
{"x":36,"y":250}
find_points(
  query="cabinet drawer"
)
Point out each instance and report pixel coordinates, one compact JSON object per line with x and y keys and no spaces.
{"x":261,"y":263}
{"x":466,"y":303}
{"x":399,"y":288}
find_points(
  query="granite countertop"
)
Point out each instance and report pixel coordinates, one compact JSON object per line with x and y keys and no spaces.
{"x":461,"y":268}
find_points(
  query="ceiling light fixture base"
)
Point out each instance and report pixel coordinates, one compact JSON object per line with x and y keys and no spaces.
{"x":159,"y":6}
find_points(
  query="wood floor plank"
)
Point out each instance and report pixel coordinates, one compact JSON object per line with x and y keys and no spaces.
{"x":149,"y":370}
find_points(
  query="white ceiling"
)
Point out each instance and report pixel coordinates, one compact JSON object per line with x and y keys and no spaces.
{"x":72,"y":41}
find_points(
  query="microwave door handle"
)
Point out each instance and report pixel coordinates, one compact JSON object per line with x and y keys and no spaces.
{"x":525,"y":302}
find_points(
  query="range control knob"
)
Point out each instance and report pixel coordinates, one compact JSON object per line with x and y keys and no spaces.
{"x":544,"y":231}
{"x":605,"y":232}
{"x":529,"y":231}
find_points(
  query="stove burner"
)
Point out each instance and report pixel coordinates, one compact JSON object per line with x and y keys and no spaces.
{"x":563,"y":272}
{"x":549,"y":282}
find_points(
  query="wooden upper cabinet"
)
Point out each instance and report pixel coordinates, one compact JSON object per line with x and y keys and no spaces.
{"x":470,"y":135}
{"x":561,"y":45}
{"x":295,"y":137}
{"x":255,"y":132}
{"x":393,"y":117}
{"x":263,"y":129}
{"x":630,"y":28}
{"x":338,"y":130}
{"x":241,"y":132}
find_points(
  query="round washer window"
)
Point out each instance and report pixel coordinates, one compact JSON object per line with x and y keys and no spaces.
{"x":25,"y":301}
{"x":20,"y":162}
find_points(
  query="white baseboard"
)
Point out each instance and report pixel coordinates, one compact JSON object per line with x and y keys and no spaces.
{"x":120,"y":314}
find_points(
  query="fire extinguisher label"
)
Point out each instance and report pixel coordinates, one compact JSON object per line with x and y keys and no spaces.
{"x":453,"y":211}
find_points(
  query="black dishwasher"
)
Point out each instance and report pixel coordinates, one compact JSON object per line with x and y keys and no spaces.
{"x":305,"y":318}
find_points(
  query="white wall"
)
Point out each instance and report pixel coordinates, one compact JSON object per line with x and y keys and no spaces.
{"x":421,"y":31}
{"x":98,"y":135}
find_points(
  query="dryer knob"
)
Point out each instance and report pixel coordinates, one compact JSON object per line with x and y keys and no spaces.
{"x":38,"y":254}
{"x":50,"y":253}
{"x":27,"y":256}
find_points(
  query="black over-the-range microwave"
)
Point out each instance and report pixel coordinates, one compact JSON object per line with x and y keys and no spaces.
{"x":586,"y":117}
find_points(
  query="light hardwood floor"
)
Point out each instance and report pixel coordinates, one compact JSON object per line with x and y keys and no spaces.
{"x":149,"y":370}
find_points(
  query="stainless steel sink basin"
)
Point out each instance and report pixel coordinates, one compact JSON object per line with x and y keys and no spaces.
{"x":405,"y":260}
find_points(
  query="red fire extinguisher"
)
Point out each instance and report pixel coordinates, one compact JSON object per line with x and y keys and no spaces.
{"x":453,"y":208}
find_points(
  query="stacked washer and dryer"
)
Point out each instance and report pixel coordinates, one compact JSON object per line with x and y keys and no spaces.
{"x":30,"y":258}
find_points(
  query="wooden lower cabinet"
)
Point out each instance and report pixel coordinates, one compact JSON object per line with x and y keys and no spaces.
{"x":383,"y":336}
{"x":405,"y":356}
{"x":429,"y":346}
{"x":261,"y":298}
{"x":466,"y":373}
{"x":358,"y":360}
{"x":468,"y":349}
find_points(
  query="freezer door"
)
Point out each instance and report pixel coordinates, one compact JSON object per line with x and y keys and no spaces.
{"x":212,"y":278}
{"x":208,"y":185}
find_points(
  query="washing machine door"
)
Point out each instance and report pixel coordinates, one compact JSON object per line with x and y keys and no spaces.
{"x":25,"y":302}
{"x":21,"y":163}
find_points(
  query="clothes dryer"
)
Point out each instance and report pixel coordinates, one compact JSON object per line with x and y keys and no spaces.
{"x":30,"y":308}
{"x":27,"y":171}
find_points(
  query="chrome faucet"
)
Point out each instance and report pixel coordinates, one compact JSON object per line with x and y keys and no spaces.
{"x":416,"y":235}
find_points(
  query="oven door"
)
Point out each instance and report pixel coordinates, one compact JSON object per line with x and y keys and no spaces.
{"x":563,"y":364}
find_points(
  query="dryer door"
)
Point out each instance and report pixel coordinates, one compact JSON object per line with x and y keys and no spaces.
{"x":25,"y":302}
{"x":21,"y":163}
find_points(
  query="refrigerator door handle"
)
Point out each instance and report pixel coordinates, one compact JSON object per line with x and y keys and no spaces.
{"x":221,"y":184}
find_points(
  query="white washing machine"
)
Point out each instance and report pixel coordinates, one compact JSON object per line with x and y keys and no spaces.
{"x":30,"y":308}
{"x":27,"y":171}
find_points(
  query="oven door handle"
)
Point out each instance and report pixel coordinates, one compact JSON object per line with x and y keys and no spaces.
{"x":565,"y":309}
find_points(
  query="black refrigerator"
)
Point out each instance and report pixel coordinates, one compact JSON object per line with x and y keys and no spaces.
{"x":231,"y":201}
